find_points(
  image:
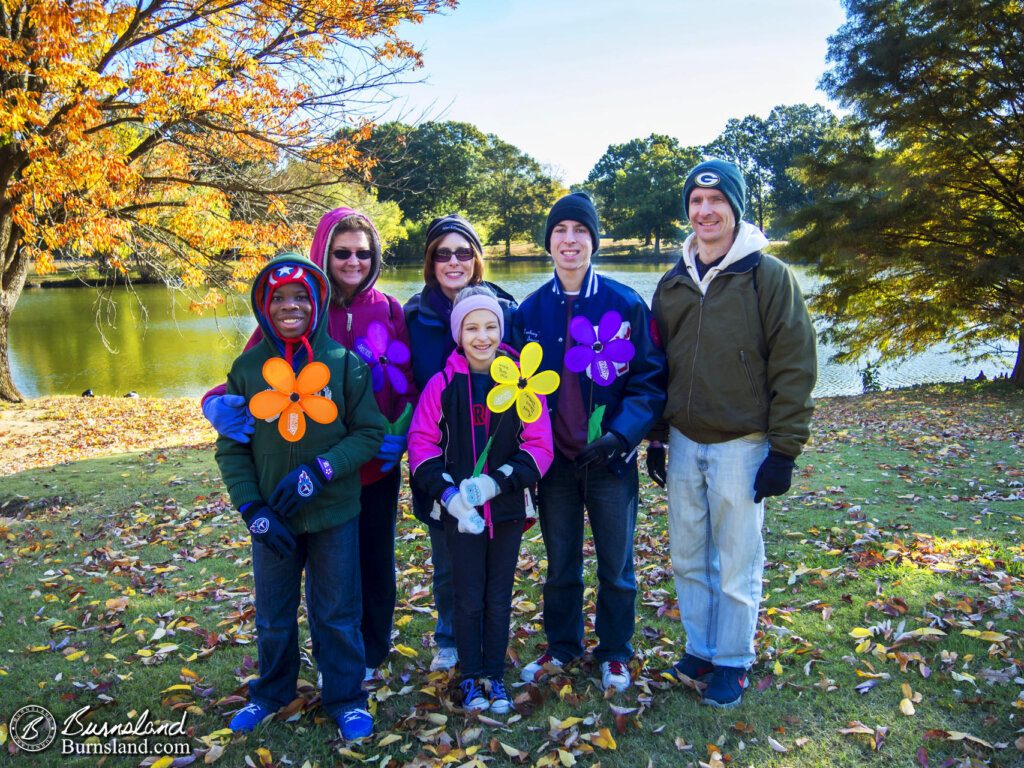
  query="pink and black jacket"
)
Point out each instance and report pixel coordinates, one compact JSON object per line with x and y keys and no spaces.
{"x":443,"y":450}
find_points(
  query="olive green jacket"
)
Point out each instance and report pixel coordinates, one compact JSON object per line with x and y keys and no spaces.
{"x":741,"y":348}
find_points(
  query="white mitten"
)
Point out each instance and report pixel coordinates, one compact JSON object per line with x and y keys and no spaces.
{"x":469,"y":520}
{"x":478,"y":490}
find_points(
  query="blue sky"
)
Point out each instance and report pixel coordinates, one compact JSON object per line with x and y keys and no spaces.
{"x":562,"y":80}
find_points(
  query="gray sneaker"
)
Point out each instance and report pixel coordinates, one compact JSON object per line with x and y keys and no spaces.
{"x":444,"y":658}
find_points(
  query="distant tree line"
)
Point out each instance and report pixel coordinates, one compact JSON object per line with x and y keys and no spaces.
{"x":432,"y":168}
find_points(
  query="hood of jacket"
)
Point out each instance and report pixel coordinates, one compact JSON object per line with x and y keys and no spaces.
{"x":324,"y":236}
{"x":318,"y":322}
{"x":749,"y":239}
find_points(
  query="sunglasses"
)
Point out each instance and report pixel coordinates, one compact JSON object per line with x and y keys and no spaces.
{"x":343,"y":254}
{"x":441,"y":255}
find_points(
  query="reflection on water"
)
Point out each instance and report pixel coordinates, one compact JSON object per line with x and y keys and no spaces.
{"x":166,"y":351}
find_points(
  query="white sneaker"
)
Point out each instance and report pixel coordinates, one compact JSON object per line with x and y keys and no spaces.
{"x":529,"y":672}
{"x":614,"y":674}
{"x":444,"y":658}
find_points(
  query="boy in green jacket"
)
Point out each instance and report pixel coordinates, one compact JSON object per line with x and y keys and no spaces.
{"x":296,"y":485}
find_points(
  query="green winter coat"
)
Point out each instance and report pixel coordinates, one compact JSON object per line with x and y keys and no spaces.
{"x":252,"y":470}
{"x":742,"y":354}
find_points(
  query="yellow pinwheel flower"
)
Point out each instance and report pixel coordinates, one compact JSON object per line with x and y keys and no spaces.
{"x":518,"y":384}
{"x":291,"y":397}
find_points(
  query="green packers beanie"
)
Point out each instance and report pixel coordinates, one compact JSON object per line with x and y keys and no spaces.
{"x":721,"y":175}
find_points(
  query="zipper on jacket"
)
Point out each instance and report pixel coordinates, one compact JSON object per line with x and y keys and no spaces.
{"x":750,"y":377}
{"x":693,"y":366}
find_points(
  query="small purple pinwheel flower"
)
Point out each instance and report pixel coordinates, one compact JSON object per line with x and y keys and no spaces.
{"x":383,"y":355}
{"x":599,"y":351}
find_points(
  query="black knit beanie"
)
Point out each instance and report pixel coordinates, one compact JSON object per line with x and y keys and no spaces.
{"x":452,"y":222}
{"x":577,"y":207}
{"x":721,"y":175}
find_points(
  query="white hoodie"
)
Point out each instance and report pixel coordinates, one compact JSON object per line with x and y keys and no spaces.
{"x":748,"y":240}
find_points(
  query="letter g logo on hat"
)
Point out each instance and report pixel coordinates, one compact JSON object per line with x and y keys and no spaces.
{"x":706,"y":179}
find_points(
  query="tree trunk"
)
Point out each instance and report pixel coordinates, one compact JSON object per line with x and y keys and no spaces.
{"x":508,"y":247}
{"x":1017,"y":377}
{"x":12,"y":279}
{"x":657,"y":244}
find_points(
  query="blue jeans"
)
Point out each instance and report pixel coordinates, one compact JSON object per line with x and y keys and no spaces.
{"x":611,"y":504}
{"x":444,"y":588}
{"x":378,"y":503}
{"x":330,"y":559}
{"x":717,"y":548}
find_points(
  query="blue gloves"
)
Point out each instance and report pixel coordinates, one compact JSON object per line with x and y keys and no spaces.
{"x":773,"y":476}
{"x":230,"y":416}
{"x":300,"y":486}
{"x":391,"y":451}
{"x":268,"y":529}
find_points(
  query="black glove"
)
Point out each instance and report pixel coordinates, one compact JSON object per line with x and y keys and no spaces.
{"x":600,"y":452}
{"x":268,"y":529}
{"x":656,"y":463}
{"x":300,"y":486}
{"x":773,"y":476}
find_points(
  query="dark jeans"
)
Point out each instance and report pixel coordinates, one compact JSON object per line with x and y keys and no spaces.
{"x":378,"y":514}
{"x":484,"y":572}
{"x":379,"y":511}
{"x":331,"y":561}
{"x":611,"y":504}
{"x":444,"y":593}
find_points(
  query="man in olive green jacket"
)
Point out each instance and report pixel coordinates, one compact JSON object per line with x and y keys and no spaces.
{"x":742,"y":363}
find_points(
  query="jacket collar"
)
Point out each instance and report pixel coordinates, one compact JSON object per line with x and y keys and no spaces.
{"x":587,"y":289}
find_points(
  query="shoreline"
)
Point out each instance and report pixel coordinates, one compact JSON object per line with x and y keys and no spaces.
{"x":617,"y":253}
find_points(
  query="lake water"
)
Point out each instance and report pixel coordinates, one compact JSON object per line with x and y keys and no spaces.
{"x":166,"y":351}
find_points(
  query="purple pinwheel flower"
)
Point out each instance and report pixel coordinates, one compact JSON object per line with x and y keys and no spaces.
{"x":601,"y":352}
{"x":383,"y":354}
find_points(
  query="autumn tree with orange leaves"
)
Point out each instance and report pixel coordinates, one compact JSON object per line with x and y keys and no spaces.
{"x":159,"y":132}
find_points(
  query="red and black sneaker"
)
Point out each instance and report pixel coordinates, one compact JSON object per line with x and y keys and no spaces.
{"x":726,"y":687}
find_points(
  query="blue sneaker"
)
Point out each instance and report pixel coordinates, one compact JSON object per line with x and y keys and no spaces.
{"x":355,"y":724}
{"x":692,"y":667}
{"x":248,"y":717}
{"x":473,"y":696}
{"x":726,"y":687}
{"x":500,"y":705}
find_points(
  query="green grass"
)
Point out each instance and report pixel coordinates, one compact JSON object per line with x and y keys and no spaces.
{"x":906,"y":516}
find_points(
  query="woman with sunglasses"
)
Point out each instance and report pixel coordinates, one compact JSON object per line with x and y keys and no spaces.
{"x":453,"y":260}
{"x":347,"y":247}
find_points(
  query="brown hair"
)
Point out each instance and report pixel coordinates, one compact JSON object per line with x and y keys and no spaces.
{"x":428,"y":265}
{"x":356,"y":223}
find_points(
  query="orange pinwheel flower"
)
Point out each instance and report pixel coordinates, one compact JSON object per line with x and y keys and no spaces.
{"x":292,"y":396}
